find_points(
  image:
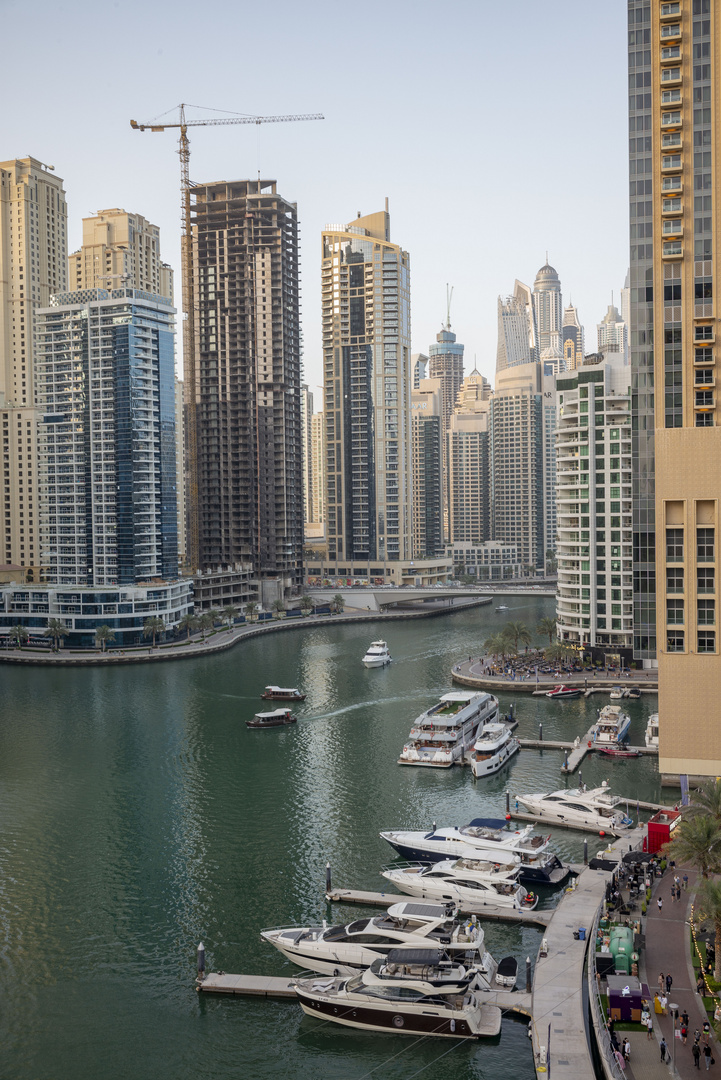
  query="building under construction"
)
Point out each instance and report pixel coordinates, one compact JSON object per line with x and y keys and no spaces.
{"x":247,"y":378}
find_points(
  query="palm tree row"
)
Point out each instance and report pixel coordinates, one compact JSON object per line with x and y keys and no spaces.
{"x":697,"y":840}
{"x":506,"y":641}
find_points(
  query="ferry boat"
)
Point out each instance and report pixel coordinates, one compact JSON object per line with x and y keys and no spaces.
{"x":484,"y":838}
{"x":276,"y":718}
{"x":492,"y":749}
{"x":409,"y":992}
{"x":471,"y":883}
{"x":564,"y":693}
{"x":595,"y":807}
{"x":612,"y":726}
{"x":282,"y":693}
{"x":652,"y":731}
{"x":441,"y":736}
{"x":344,"y":950}
{"x":378,"y":655}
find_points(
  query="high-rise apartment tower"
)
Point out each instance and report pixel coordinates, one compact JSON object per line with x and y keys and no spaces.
{"x":427,"y":439}
{"x":120,"y":250}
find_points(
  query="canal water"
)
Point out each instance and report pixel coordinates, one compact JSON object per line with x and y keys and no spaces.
{"x":139,"y":815}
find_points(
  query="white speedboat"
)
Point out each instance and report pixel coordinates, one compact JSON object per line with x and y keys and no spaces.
{"x":617,"y":694}
{"x":343,"y":950}
{"x":595,"y":807}
{"x":485,"y":839}
{"x":442,"y":735}
{"x":470,"y":883}
{"x":411,"y":992}
{"x":378,"y":655}
{"x":493,"y":748}
{"x":612,"y":726}
{"x":652,"y":731}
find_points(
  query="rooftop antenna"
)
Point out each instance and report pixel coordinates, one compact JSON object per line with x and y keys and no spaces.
{"x":546,"y":256}
{"x":449,"y":297}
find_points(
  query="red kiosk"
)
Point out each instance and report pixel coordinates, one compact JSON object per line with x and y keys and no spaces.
{"x":660,"y":828}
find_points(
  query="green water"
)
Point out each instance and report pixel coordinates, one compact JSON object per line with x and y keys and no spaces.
{"x":139,"y":815}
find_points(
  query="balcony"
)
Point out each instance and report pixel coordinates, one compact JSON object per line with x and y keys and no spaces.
{"x":671,"y":184}
{"x":673,"y":249}
{"x":671,"y":139}
{"x":670,"y":161}
{"x":670,"y":52}
{"x":671,"y":32}
{"x":672,"y":118}
{"x":672,"y":227}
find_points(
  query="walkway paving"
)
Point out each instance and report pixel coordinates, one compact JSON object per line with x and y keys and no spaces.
{"x":472,"y":672}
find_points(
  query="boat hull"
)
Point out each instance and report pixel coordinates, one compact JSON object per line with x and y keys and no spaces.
{"x":271,"y":723}
{"x":396,"y":1018}
{"x":496,"y":763}
{"x":537,"y":875}
{"x":375,"y":663}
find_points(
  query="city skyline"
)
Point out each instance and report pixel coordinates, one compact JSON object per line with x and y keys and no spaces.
{"x":140,"y":171}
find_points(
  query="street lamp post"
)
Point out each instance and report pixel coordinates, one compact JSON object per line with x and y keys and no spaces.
{"x":674,"y":1014}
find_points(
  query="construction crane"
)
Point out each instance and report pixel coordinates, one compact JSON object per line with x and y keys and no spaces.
{"x":187,"y":270}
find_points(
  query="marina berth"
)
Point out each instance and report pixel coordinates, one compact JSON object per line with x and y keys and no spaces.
{"x":478,"y":840}
{"x":344,"y":950}
{"x":442,"y":735}
{"x":282,"y":693}
{"x":276,"y":718}
{"x":595,"y":807}
{"x":611,"y":728}
{"x":493,"y":748}
{"x":378,"y":655}
{"x":410,"y":992}
{"x":471,"y":883}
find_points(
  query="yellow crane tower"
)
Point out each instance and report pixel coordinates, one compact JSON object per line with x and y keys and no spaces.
{"x":187,"y":277}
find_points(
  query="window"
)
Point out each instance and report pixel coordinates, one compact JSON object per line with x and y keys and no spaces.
{"x":705,"y":545}
{"x":674,"y":612}
{"x":673,"y":247}
{"x":674,"y":545}
{"x":703,"y":376}
{"x":674,"y":641}
{"x":704,"y":399}
{"x":674,"y":579}
{"x":707,"y":641}
{"x":703,"y":356}
{"x":703,"y":333}
{"x":705,"y":579}
{"x":672,"y":206}
{"x":707,"y":612}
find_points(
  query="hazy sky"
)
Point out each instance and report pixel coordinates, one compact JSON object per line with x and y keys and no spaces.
{"x":496,"y":129}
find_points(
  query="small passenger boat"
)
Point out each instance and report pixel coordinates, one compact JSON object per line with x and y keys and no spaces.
{"x":633,"y":692}
{"x":502,"y":607}
{"x":378,"y":655}
{"x":618,"y":751}
{"x":492,"y":749}
{"x":282,"y":693}
{"x":276,"y":718}
{"x":507,"y":972}
{"x":564,"y":693}
{"x":617,"y":693}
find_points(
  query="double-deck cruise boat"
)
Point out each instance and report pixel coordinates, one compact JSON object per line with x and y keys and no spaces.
{"x":276,"y":718}
{"x":484,"y":838}
{"x":343,"y":950}
{"x":378,"y":655}
{"x":471,"y":883}
{"x":410,"y":992}
{"x":612,"y":726}
{"x":282,"y":693}
{"x":652,"y":731}
{"x":493,"y":748}
{"x":595,"y":807}
{"x":442,"y":735}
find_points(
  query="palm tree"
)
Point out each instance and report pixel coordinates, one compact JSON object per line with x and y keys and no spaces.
{"x":278,"y":607}
{"x":206,"y":621}
{"x":708,"y":906}
{"x":19,"y":635}
{"x":306,"y":604}
{"x":57,"y":630}
{"x":496,"y":645}
{"x":153,"y":625}
{"x":230,"y":612}
{"x":338,"y":602}
{"x":214,"y":616}
{"x":706,"y":802}
{"x":556,"y":654}
{"x":250,"y":609}
{"x":103,"y":635}
{"x":551,"y":561}
{"x":547,"y":625}
{"x":697,"y":840}
{"x":188,"y":622}
{"x":517,"y":632}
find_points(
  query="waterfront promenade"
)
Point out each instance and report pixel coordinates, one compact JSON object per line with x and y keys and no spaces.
{"x":474,"y":672}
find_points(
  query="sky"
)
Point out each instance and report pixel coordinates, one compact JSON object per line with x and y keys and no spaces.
{"x":497,"y":130}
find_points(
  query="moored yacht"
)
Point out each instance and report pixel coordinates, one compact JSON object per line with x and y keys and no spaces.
{"x":563,"y":693}
{"x":652,"y":731}
{"x":411,"y":992}
{"x":595,"y":807}
{"x":472,"y":884}
{"x":442,"y":735}
{"x":343,"y":950}
{"x":493,"y":748}
{"x":378,"y":654}
{"x":611,"y":727}
{"x":483,"y":840}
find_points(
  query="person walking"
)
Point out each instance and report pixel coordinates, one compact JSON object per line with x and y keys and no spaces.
{"x":707,"y":1056}
{"x":649,"y":1027}
{"x":627,"y":1051}
{"x":706,"y":1031}
{"x":696,"y":1051}
{"x":659,"y":902}
{"x":685,"y":881}
{"x":663,"y":1049}
{"x":669,"y":984}
{"x":661,"y":982}
{"x":684,"y":1033}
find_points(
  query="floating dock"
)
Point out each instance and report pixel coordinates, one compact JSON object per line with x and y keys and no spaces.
{"x":218,"y":982}
{"x":374,"y":899}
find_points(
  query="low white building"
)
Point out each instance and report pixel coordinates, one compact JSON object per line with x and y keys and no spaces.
{"x":491,"y":561}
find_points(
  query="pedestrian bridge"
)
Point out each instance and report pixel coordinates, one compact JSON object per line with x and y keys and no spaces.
{"x":384,"y":599}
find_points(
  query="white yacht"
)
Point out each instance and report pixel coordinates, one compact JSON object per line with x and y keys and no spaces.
{"x":378,"y":655}
{"x":484,"y":838}
{"x":595,"y":807}
{"x":411,"y":992}
{"x":472,"y":884}
{"x":652,"y":731}
{"x":343,"y":950}
{"x":442,"y":735}
{"x":493,"y":748}
{"x":611,"y":728}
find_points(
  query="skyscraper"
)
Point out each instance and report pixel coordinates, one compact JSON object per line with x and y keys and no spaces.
{"x":33,"y":266}
{"x":367,"y":376}
{"x":107,"y":476}
{"x":427,"y":442}
{"x":120,"y":249}
{"x":445,"y":363}
{"x":419,"y":364}
{"x":517,"y":334}
{"x":469,"y":477}
{"x":317,"y":511}
{"x":306,"y":418}
{"x":612,"y":334}
{"x":548,"y":309}
{"x":247,"y":376}
{"x":572,"y":339}
{"x":675,"y":73}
